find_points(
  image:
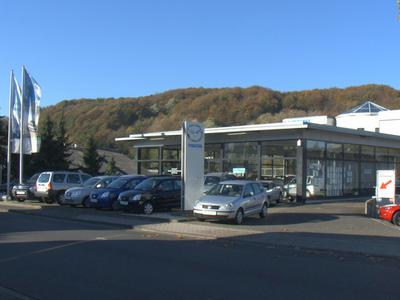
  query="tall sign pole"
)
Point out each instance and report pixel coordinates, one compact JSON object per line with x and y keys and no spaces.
{"x":21,"y":130}
{"x":9,"y":133}
{"x":192,"y":163}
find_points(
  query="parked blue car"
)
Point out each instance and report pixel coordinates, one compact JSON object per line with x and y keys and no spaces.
{"x":104,"y":198}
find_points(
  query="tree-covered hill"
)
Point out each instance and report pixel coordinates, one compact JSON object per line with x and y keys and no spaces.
{"x":108,"y":118}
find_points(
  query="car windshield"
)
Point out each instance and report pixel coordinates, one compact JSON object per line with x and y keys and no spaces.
{"x":211,"y":180}
{"x":118,"y":183}
{"x":228,"y":190}
{"x":147,"y":184}
{"x":91,"y":182}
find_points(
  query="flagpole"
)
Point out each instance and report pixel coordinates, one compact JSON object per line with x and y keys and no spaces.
{"x":21,"y":136}
{"x":9,"y":134}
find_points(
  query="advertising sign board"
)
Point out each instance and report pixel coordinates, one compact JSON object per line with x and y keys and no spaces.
{"x":385,"y":184}
{"x":192,"y":163}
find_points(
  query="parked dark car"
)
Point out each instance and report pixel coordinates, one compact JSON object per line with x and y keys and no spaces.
{"x":3,"y":189}
{"x":80,"y":195}
{"x":104,"y":198}
{"x":25,"y":191}
{"x":153,"y":193}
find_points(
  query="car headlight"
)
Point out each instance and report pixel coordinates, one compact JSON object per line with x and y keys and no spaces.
{"x":137,"y":197}
{"x":105,"y":195}
{"x":228,"y":206}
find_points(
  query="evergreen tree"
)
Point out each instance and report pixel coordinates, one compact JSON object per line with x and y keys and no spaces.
{"x":62,"y":145}
{"x":111,"y":168}
{"x":3,"y":139}
{"x":3,"y":147}
{"x":91,"y":159}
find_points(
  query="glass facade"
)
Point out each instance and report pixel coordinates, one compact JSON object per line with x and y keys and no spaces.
{"x":332,"y":169}
{"x":350,"y":169}
{"x":243,"y":157}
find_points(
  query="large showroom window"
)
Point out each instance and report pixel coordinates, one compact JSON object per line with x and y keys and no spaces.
{"x":171,"y":160}
{"x":278,"y":159}
{"x":148,"y":163}
{"x":241,"y":159}
{"x":315,"y":185}
{"x":212,"y":158}
{"x":350,"y":178}
{"x":368,"y":178}
{"x":334,"y":178}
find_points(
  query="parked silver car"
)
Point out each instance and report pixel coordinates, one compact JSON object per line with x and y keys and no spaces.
{"x":233,"y":199}
{"x":274,"y":191}
{"x":80,"y":195}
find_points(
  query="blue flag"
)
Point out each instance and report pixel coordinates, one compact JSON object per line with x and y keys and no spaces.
{"x":32,"y":93}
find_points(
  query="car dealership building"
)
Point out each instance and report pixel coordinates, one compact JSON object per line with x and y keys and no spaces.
{"x":329,"y":160}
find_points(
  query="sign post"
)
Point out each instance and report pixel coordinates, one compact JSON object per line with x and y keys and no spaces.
{"x":192,"y":163}
{"x":385,"y":185}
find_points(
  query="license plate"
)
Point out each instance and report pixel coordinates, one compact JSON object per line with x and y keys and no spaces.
{"x":21,"y":193}
{"x":93,"y":200}
{"x":209,"y":213}
{"x":123,"y":202}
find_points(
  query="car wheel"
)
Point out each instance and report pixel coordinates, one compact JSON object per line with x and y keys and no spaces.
{"x":60,"y":198}
{"x":200,"y":219}
{"x":396,"y":218}
{"x":115,"y":205}
{"x":48,"y":200}
{"x":86,"y":202}
{"x":264,"y":211}
{"x":280,"y":198}
{"x":148,"y":208}
{"x":239,"y":217}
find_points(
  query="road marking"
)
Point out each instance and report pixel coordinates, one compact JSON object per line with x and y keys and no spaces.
{"x":387,"y":224}
{"x":54,"y":248}
{"x":14,"y":294}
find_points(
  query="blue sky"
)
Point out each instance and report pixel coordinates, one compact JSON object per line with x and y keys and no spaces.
{"x":89,"y":49}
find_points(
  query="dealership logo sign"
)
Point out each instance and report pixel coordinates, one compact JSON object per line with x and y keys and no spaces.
{"x":194,"y":133}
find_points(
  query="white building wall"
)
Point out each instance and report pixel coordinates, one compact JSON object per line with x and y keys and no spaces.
{"x":358,"y":121}
{"x":383,"y":122}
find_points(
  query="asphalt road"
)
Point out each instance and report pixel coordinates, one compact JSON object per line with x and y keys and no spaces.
{"x":43,"y":258}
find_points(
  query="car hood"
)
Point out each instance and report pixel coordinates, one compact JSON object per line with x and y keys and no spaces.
{"x":75,"y":189}
{"x":217,"y":199}
{"x":129,"y":193}
{"x":22,"y":186}
{"x":100,"y":191}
